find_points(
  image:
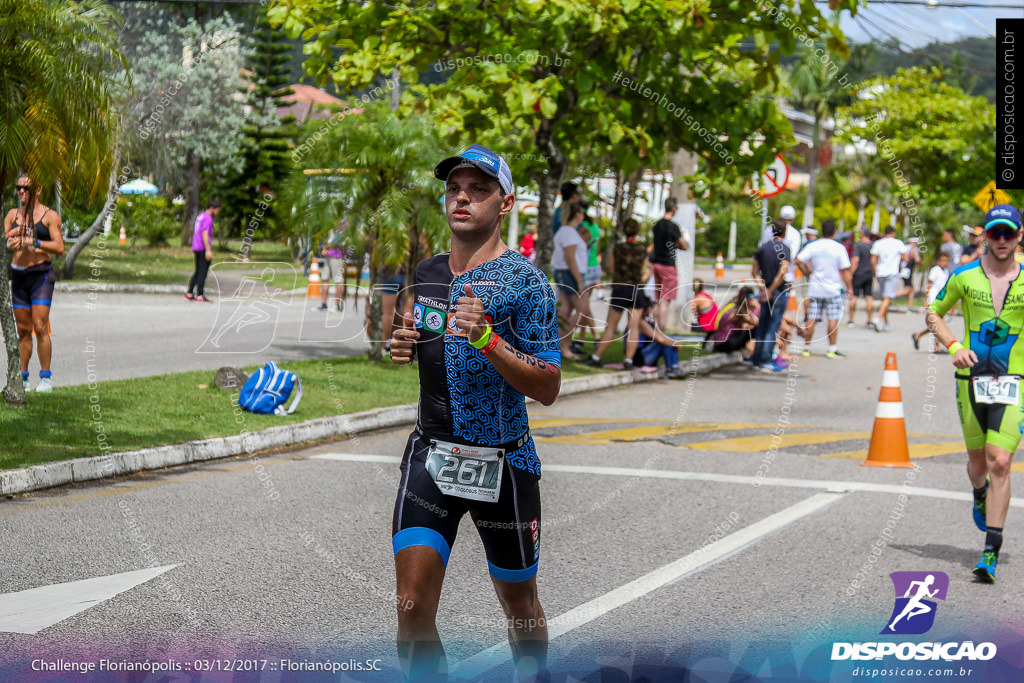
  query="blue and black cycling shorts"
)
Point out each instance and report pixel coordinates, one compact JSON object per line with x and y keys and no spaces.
{"x":509,"y":528}
{"x":32,"y":286}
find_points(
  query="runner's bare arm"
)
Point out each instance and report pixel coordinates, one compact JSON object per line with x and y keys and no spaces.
{"x":964,"y":358}
{"x":527,"y":374}
{"x":805,"y":268}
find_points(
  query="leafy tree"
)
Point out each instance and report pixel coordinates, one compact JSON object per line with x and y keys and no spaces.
{"x":186,"y":114}
{"x":387,"y":192}
{"x":818,"y":85}
{"x":935,"y":142}
{"x":535,"y":79}
{"x":58,"y":110}
{"x":266,"y":161}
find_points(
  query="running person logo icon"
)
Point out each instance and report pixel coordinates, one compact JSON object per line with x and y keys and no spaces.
{"x":913,"y":612}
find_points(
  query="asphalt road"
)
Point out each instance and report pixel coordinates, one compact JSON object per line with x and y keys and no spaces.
{"x":658,"y":550}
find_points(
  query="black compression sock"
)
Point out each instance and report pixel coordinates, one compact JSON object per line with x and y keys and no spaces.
{"x":993,"y":540}
{"x":979,"y":494}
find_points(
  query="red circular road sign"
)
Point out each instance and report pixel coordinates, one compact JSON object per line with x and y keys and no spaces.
{"x":773,"y":179}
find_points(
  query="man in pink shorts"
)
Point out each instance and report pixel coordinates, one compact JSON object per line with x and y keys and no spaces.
{"x":667,"y":237}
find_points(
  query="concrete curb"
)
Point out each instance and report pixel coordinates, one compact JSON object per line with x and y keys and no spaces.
{"x":48,"y":475}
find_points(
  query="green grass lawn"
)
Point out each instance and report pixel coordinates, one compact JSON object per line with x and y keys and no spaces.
{"x":151,"y":411}
{"x":163,"y":265}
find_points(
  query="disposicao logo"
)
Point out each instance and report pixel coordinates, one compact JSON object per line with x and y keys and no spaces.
{"x":913,"y":613}
{"x":916,"y":593}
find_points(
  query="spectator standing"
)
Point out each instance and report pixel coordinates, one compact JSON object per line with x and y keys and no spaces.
{"x":336,"y":254}
{"x":887,"y":257}
{"x":569,"y":261}
{"x":937,"y":277}
{"x":976,"y":249}
{"x":34,"y":235}
{"x":792,"y":238}
{"x":591,"y":234}
{"x":627,"y":266}
{"x":863,"y":277}
{"x":202,"y":251}
{"x":666,"y":238}
{"x":771,"y":263}
{"x":907,"y":272}
{"x":950,"y":247}
{"x":570,"y":193}
{"x":827,"y":265}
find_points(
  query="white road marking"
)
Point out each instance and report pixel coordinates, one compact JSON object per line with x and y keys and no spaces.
{"x":32,"y":610}
{"x":699,"y":560}
{"x":821,"y":484}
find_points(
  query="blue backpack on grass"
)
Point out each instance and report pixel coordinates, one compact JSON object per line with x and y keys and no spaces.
{"x":268,"y":388}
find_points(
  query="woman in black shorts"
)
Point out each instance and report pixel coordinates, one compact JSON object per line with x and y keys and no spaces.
{"x":628,"y":261}
{"x":33,"y":233}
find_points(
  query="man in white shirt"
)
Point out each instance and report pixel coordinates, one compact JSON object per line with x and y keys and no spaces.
{"x":887,"y":257}
{"x":827,"y":264}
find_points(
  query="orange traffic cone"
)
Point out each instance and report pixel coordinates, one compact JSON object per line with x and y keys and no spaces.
{"x":889,"y":436}
{"x":313,"y":288}
{"x":122,"y":237}
{"x":793,"y":304}
{"x":719,"y":267}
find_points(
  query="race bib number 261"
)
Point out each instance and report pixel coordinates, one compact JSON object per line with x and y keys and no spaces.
{"x":466,"y":471}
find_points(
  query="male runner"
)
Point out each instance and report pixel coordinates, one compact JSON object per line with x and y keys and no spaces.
{"x":484,"y":331}
{"x":989,"y":365}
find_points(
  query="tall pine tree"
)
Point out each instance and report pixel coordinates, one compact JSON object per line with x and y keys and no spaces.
{"x":248,"y":198}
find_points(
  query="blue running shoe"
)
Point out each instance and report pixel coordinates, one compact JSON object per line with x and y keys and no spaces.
{"x":986,"y":568}
{"x":978,"y":510}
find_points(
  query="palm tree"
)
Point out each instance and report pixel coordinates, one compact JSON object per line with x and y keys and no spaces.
{"x":816,"y":90}
{"x":57,"y":104}
{"x":388,"y":193}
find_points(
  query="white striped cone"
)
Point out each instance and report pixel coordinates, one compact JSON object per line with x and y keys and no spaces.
{"x":888,"y":446}
{"x":313,"y":288}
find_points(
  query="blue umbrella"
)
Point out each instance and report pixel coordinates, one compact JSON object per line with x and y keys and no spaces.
{"x":138,"y":186}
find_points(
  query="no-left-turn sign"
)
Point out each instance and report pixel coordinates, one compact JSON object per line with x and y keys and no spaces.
{"x":773,"y":179}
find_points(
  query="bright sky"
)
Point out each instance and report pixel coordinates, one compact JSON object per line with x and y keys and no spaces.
{"x":916,"y":25}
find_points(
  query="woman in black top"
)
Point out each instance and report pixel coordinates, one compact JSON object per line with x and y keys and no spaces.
{"x":33,"y":233}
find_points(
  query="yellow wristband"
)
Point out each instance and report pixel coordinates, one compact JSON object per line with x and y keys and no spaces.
{"x":954,"y":347}
{"x":482,"y":341}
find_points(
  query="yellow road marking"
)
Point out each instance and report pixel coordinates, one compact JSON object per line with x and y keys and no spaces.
{"x":636,"y":433}
{"x":545,"y":422}
{"x":754,"y":444}
{"x":917,"y":450}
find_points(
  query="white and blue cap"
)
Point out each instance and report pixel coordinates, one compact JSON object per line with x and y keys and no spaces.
{"x":1002,"y":214}
{"x":482,"y":158}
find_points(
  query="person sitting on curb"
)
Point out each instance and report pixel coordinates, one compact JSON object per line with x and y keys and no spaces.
{"x":704,"y":308}
{"x":654,"y":343}
{"x":736,"y":323}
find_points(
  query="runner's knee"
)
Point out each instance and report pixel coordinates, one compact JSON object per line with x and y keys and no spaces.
{"x":999,"y":463}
